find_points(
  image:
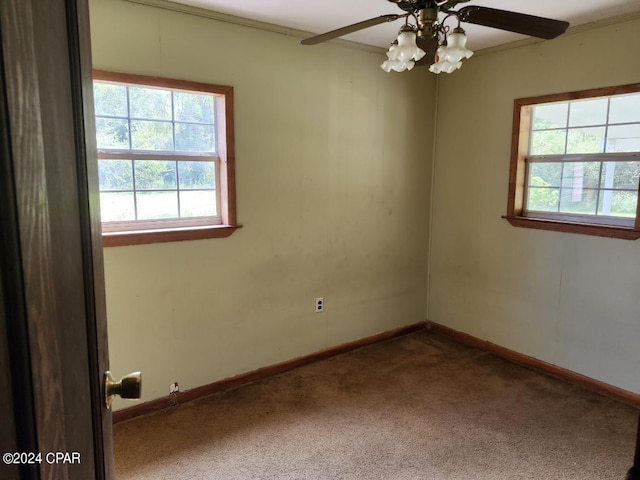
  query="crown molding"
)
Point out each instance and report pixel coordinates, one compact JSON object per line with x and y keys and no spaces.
{"x":245,"y":22}
{"x":627,"y":17}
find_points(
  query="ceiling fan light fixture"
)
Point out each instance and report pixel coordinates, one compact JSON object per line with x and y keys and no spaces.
{"x":431,"y":33}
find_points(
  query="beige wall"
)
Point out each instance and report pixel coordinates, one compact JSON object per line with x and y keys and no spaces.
{"x":333,"y":180}
{"x":570,"y":300}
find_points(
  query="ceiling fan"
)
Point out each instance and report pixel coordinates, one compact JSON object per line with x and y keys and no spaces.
{"x":429,"y":42}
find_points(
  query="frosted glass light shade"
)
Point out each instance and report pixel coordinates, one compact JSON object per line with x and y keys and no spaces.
{"x":395,"y":60}
{"x":445,"y":66}
{"x":407,"y":48}
{"x":456,"y":48}
{"x":397,"y":65}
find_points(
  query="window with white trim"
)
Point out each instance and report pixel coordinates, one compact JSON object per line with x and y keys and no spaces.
{"x":165,"y":158}
{"x":576,"y":162}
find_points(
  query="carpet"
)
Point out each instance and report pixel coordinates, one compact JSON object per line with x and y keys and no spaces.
{"x":419,"y":406}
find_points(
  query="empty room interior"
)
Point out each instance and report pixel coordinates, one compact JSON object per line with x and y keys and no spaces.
{"x":491,"y":342}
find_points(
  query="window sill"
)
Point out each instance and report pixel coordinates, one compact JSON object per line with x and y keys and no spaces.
{"x":610,"y":231}
{"x":143,"y":237}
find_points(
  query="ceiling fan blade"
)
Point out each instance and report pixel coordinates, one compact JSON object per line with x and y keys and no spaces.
{"x":350,"y":29}
{"x":430,"y":46}
{"x":540,"y":27}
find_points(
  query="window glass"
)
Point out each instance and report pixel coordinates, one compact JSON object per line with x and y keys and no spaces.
{"x":155,"y":174}
{"x":150,"y":103}
{"x":543,"y":199}
{"x":197,"y":175}
{"x":147,"y":135}
{"x":192,"y":137}
{"x":197,"y":203}
{"x":149,"y":189}
{"x":193,"y":107}
{"x":582,"y":174}
{"x":550,"y":116}
{"x":623,"y":138}
{"x":545,"y":174}
{"x":588,"y":112}
{"x":620,"y":175}
{"x":548,"y":142}
{"x":110,"y":100}
{"x":624,"y":109}
{"x":157,"y":205}
{"x":618,"y":204}
{"x":586,"y":140}
{"x":112,"y":133}
{"x":600,"y":187}
{"x":117,"y":206}
{"x":578,"y":200}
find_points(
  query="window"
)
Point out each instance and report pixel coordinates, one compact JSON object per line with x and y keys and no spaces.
{"x":575,"y":162}
{"x":165,"y":159}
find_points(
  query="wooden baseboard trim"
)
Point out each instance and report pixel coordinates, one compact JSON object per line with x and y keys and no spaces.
{"x":539,"y":365}
{"x":245,"y":378}
{"x":144,"y":408}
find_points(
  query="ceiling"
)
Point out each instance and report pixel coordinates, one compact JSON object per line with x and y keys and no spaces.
{"x":319,"y":16}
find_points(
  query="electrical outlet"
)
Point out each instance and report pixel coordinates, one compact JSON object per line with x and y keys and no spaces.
{"x":173,"y":388}
{"x":319,"y":304}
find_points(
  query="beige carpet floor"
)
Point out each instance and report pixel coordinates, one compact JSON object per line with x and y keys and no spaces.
{"x":416,"y":407}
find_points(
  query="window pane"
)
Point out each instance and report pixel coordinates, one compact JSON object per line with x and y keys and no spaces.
{"x":618,"y":204}
{"x":155,"y":174}
{"x":545,"y":174}
{"x":550,"y":142}
{"x":150,"y":103}
{"x":197,"y":175}
{"x":578,"y":200}
{"x":157,"y":205}
{"x":624,"y":138}
{"x":117,"y":207}
{"x":543,"y":199}
{"x":550,"y":116}
{"x":588,"y":112}
{"x":625,"y":109}
{"x":193,"y":107}
{"x":194,"y":138}
{"x":115,"y":175}
{"x":620,"y":175}
{"x":586,"y":140}
{"x":578,"y":175}
{"x":110,"y":99}
{"x":151,"y":135}
{"x":112,"y":133}
{"x":198,"y":203}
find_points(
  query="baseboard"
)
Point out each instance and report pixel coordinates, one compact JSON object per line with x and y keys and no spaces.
{"x":144,"y":408}
{"x":544,"y":367}
{"x":174,"y":399}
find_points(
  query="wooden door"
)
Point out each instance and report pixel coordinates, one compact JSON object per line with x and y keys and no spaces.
{"x":53,"y":346}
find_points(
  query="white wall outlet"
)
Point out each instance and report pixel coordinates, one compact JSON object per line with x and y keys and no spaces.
{"x":173,"y":388}
{"x":319,"y":304}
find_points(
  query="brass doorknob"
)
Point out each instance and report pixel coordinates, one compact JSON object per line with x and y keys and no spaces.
{"x":129,"y":386}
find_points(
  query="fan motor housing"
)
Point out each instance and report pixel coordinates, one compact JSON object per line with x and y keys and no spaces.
{"x":413,"y":5}
{"x":409,"y":6}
